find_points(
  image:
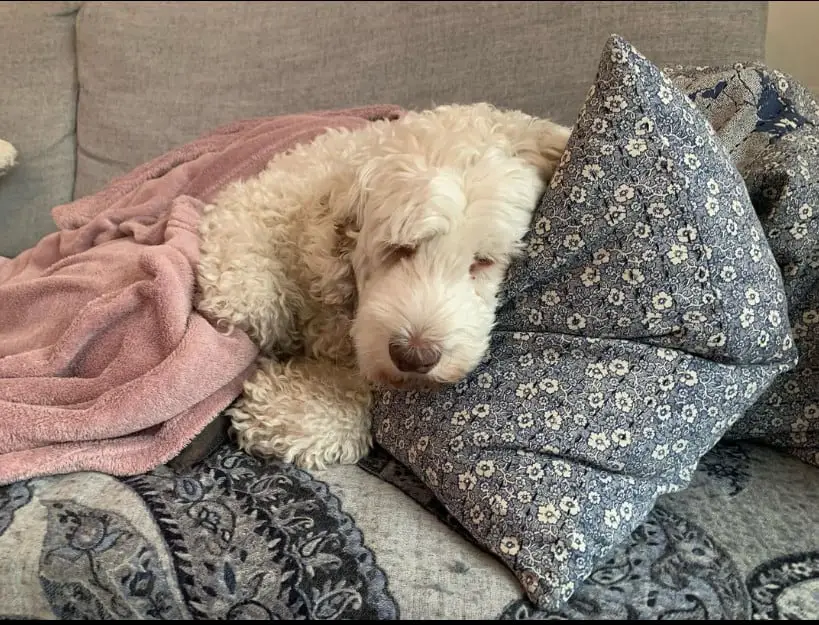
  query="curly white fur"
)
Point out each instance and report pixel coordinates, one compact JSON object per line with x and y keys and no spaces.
{"x":369,"y":257}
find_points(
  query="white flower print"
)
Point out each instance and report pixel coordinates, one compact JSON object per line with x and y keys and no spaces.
{"x":679,"y":446}
{"x":810,"y":317}
{"x":692,"y":161}
{"x":480,"y":439}
{"x":665,"y":95}
{"x":526,"y":390}
{"x":713,"y":186}
{"x":550,"y":298}
{"x":595,"y":400}
{"x":476,"y":514}
{"x":799,"y":230}
{"x":711,"y":206}
{"x":573,"y":242}
{"x":607,"y":149}
{"x":599,"y":126}
{"x":509,"y":545}
{"x":662,"y":301}
{"x":601,"y":257}
{"x":526,"y":360}
{"x":570,"y":506}
{"x":466,"y":481}
{"x":561,"y":468}
{"x":611,"y":518}
{"x":716,"y":340}
{"x":633,"y":276}
{"x":535,"y":471}
{"x":621,"y":437}
{"x":728,"y":273}
{"x":615,"y":103}
{"x":614,"y":214}
{"x":524,"y":496}
{"x":624,"y":193}
{"x":481,"y":410}
{"x":552,"y":419}
{"x":623,"y":401}
{"x":535,"y":316}
{"x":618,"y":55}
{"x":658,"y":210}
{"x":663,"y":412}
{"x":689,"y":378}
{"x":616,"y":297}
{"x":752,"y":296}
{"x":636,"y":147}
{"x":590,"y":277}
{"x":526,"y":420}
{"x":687,"y":234}
{"x":665,"y":382}
{"x":534,"y":248}
{"x":499,"y":505}
{"x":543,"y":226}
{"x":694,"y":317}
{"x":592,"y":172}
{"x":677,"y":254}
{"x":643,"y":126}
{"x":598,"y":441}
{"x":456,"y":444}
{"x":485,"y":468}
{"x":577,"y":541}
{"x":596,"y":370}
{"x":549,"y":385}
{"x":805,"y":211}
{"x":576,"y":322}
{"x":460,"y":418}
{"x":618,"y":366}
{"x":641,"y":230}
{"x":660,"y":452}
{"x":746,"y":317}
{"x":485,"y":380}
{"x":577,"y":195}
{"x":593,"y":497}
{"x":550,"y":356}
{"x":548,"y":514}
{"x":689,"y":413}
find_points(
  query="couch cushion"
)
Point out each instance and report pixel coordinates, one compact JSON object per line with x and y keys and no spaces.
{"x":37,"y":66}
{"x":155,"y":75}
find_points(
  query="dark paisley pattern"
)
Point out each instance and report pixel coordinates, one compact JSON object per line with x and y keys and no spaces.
{"x":668,"y":569}
{"x":723,"y":470}
{"x":12,"y":497}
{"x":94,"y":565}
{"x":263,"y":540}
{"x":786,"y":588}
{"x":633,"y":335}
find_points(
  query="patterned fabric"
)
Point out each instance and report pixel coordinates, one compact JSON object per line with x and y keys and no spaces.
{"x":775,"y":144}
{"x":634,"y":335}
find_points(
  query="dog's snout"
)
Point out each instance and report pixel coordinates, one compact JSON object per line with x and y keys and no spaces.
{"x":413,"y":355}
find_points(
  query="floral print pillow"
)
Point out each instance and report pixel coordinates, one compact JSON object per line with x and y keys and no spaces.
{"x":646,"y":315}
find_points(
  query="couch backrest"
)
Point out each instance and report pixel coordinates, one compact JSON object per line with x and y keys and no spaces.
{"x":116,"y":83}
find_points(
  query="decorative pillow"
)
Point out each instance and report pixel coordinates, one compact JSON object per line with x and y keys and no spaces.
{"x":770,"y":125}
{"x":624,"y":347}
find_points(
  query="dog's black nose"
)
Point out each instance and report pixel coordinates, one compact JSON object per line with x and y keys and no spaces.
{"x":414,"y":356}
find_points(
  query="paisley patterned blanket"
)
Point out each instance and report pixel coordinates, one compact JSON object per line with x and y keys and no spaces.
{"x":233,"y":537}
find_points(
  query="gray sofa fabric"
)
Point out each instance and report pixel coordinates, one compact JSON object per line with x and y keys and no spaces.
{"x":125,"y":81}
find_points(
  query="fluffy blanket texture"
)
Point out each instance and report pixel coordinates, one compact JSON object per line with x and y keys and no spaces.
{"x":104,"y":364}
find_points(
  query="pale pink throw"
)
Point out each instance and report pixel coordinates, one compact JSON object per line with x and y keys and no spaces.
{"x":104,"y":363}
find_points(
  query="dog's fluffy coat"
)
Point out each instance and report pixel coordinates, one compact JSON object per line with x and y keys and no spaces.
{"x":398,"y":234}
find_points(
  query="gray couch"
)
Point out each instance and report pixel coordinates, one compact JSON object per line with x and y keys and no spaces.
{"x":92,"y":89}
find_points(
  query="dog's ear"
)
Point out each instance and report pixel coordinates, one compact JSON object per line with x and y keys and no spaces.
{"x":542,"y":144}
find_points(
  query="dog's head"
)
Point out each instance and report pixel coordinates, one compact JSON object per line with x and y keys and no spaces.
{"x":442,"y":208}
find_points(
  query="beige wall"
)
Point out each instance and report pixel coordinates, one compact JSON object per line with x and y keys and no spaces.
{"x":793,"y":40}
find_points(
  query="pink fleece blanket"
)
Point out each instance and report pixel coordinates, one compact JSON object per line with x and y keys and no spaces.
{"x":104,"y":363}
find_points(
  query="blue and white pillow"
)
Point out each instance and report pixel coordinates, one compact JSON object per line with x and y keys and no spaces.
{"x":624,"y":349}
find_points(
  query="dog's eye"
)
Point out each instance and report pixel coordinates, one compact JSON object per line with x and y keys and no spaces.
{"x":480,"y":262}
{"x":400,"y":252}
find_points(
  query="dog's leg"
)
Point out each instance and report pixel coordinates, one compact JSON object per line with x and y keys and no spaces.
{"x":241,"y":284}
{"x":309,"y":412}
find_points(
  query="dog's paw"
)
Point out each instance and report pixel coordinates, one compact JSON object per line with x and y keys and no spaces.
{"x":310,"y":441}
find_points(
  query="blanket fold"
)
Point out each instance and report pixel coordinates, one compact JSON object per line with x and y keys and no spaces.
{"x":104,"y":363}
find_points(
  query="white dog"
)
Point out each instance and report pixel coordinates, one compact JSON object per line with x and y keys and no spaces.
{"x":369,"y":257}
